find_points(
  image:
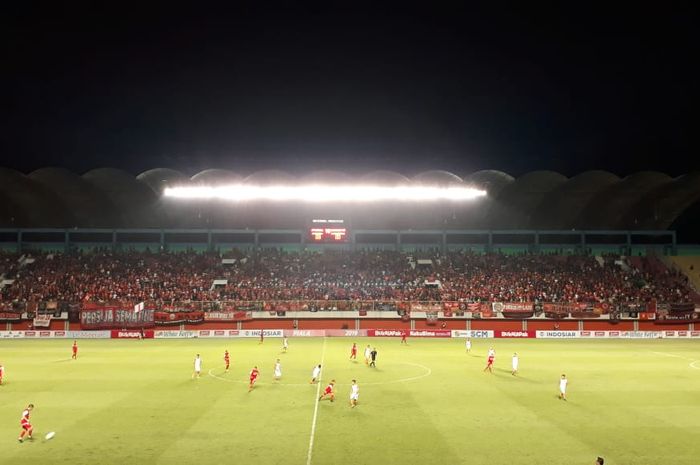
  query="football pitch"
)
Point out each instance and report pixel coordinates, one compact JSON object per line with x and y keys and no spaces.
{"x":134,"y":402}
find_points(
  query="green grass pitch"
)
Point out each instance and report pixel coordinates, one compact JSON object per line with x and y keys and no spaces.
{"x":134,"y":402}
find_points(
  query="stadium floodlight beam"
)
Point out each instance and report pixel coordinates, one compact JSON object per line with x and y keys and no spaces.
{"x":325,"y":193}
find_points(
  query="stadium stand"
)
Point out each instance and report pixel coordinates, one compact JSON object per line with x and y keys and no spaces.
{"x":342,"y":275}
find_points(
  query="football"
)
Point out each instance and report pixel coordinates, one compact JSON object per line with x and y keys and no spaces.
{"x":50,"y":435}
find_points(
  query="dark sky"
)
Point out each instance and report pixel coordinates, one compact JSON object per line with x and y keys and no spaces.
{"x":305,"y":88}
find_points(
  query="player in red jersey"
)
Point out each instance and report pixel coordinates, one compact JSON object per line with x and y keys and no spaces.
{"x":75,"y":350}
{"x":27,"y":427}
{"x":2,"y":372}
{"x":253,"y":378}
{"x":353,"y":352}
{"x":329,"y":391}
{"x":489,"y":363}
{"x":227,"y":359}
{"x":403,"y":337}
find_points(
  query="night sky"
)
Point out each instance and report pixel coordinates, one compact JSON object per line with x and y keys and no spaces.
{"x":307,"y":88}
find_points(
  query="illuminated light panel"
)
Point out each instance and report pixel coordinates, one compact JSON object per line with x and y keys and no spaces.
{"x":328,"y":193}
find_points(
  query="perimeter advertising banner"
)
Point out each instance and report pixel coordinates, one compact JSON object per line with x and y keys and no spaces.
{"x":55,"y":334}
{"x":473,"y":333}
{"x":411,"y":333}
{"x":132,"y":334}
{"x":516,"y":334}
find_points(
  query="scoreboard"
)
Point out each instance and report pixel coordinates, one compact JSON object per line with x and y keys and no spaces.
{"x":328,"y":231}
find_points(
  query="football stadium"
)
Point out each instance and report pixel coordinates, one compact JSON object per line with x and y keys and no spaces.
{"x":330,"y":318}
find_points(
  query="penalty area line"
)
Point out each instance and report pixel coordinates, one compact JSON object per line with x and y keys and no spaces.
{"x":318,"y":391}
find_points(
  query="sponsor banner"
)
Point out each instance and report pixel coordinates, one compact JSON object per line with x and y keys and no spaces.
{"x":55,"y":334}
{"x":11,"y":334}
{"x":622,"y":334}
{"x":218,"y":333}
{"x":174,"y":334}
{"x":228,"y":316}
{"x":557,"y":334}
{"x":346,"y":332}
{"x":682,"y":334}
{"x":256,"y":333}
{"x":412,"y":333}
{"x":83,"y":334}
{"x":115,"y":334}
{"x":473,"y":333}
{"x":515,"y":334}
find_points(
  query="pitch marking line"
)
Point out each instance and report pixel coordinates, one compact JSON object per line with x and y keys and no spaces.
{"x":427,"y":373}
{"x":693,"y":362}
{"x":318,"y":391}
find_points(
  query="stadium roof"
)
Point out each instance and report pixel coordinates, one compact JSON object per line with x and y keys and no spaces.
{"x":107,"y":197}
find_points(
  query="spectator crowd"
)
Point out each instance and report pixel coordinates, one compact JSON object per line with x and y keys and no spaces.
{"x":362,"y":275}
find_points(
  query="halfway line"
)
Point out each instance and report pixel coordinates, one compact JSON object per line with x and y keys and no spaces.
{"x":318,"y":391}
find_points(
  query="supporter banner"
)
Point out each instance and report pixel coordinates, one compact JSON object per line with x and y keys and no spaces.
{"x":229,"y":316}
{"x":512,"y":307}
{"x":132,"y":334}
{"x":42,"y":321}
{"x":473,"y":333}
{"x":174,"y":334}
{"x":557,"y":334}
{"x":426,"y":307}
{"x":115,"y":317}
{"x":515,"y":334}
{"x":177,"y":318}
{"x":687,"y":307}
{"x":10,"y":316}
{"x":412,"y":333}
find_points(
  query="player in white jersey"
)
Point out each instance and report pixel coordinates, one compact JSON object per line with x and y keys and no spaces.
{"x":197,"y":367}
{"x":278,"y":370}
{"x":285,"y":344}
{"x":368,"y":354}
{"x":515,"y":364}
{"x":354,"y":393}
{"x":563,"y":382}
{"x":315,"y":374}
{"x":469,"y":345}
